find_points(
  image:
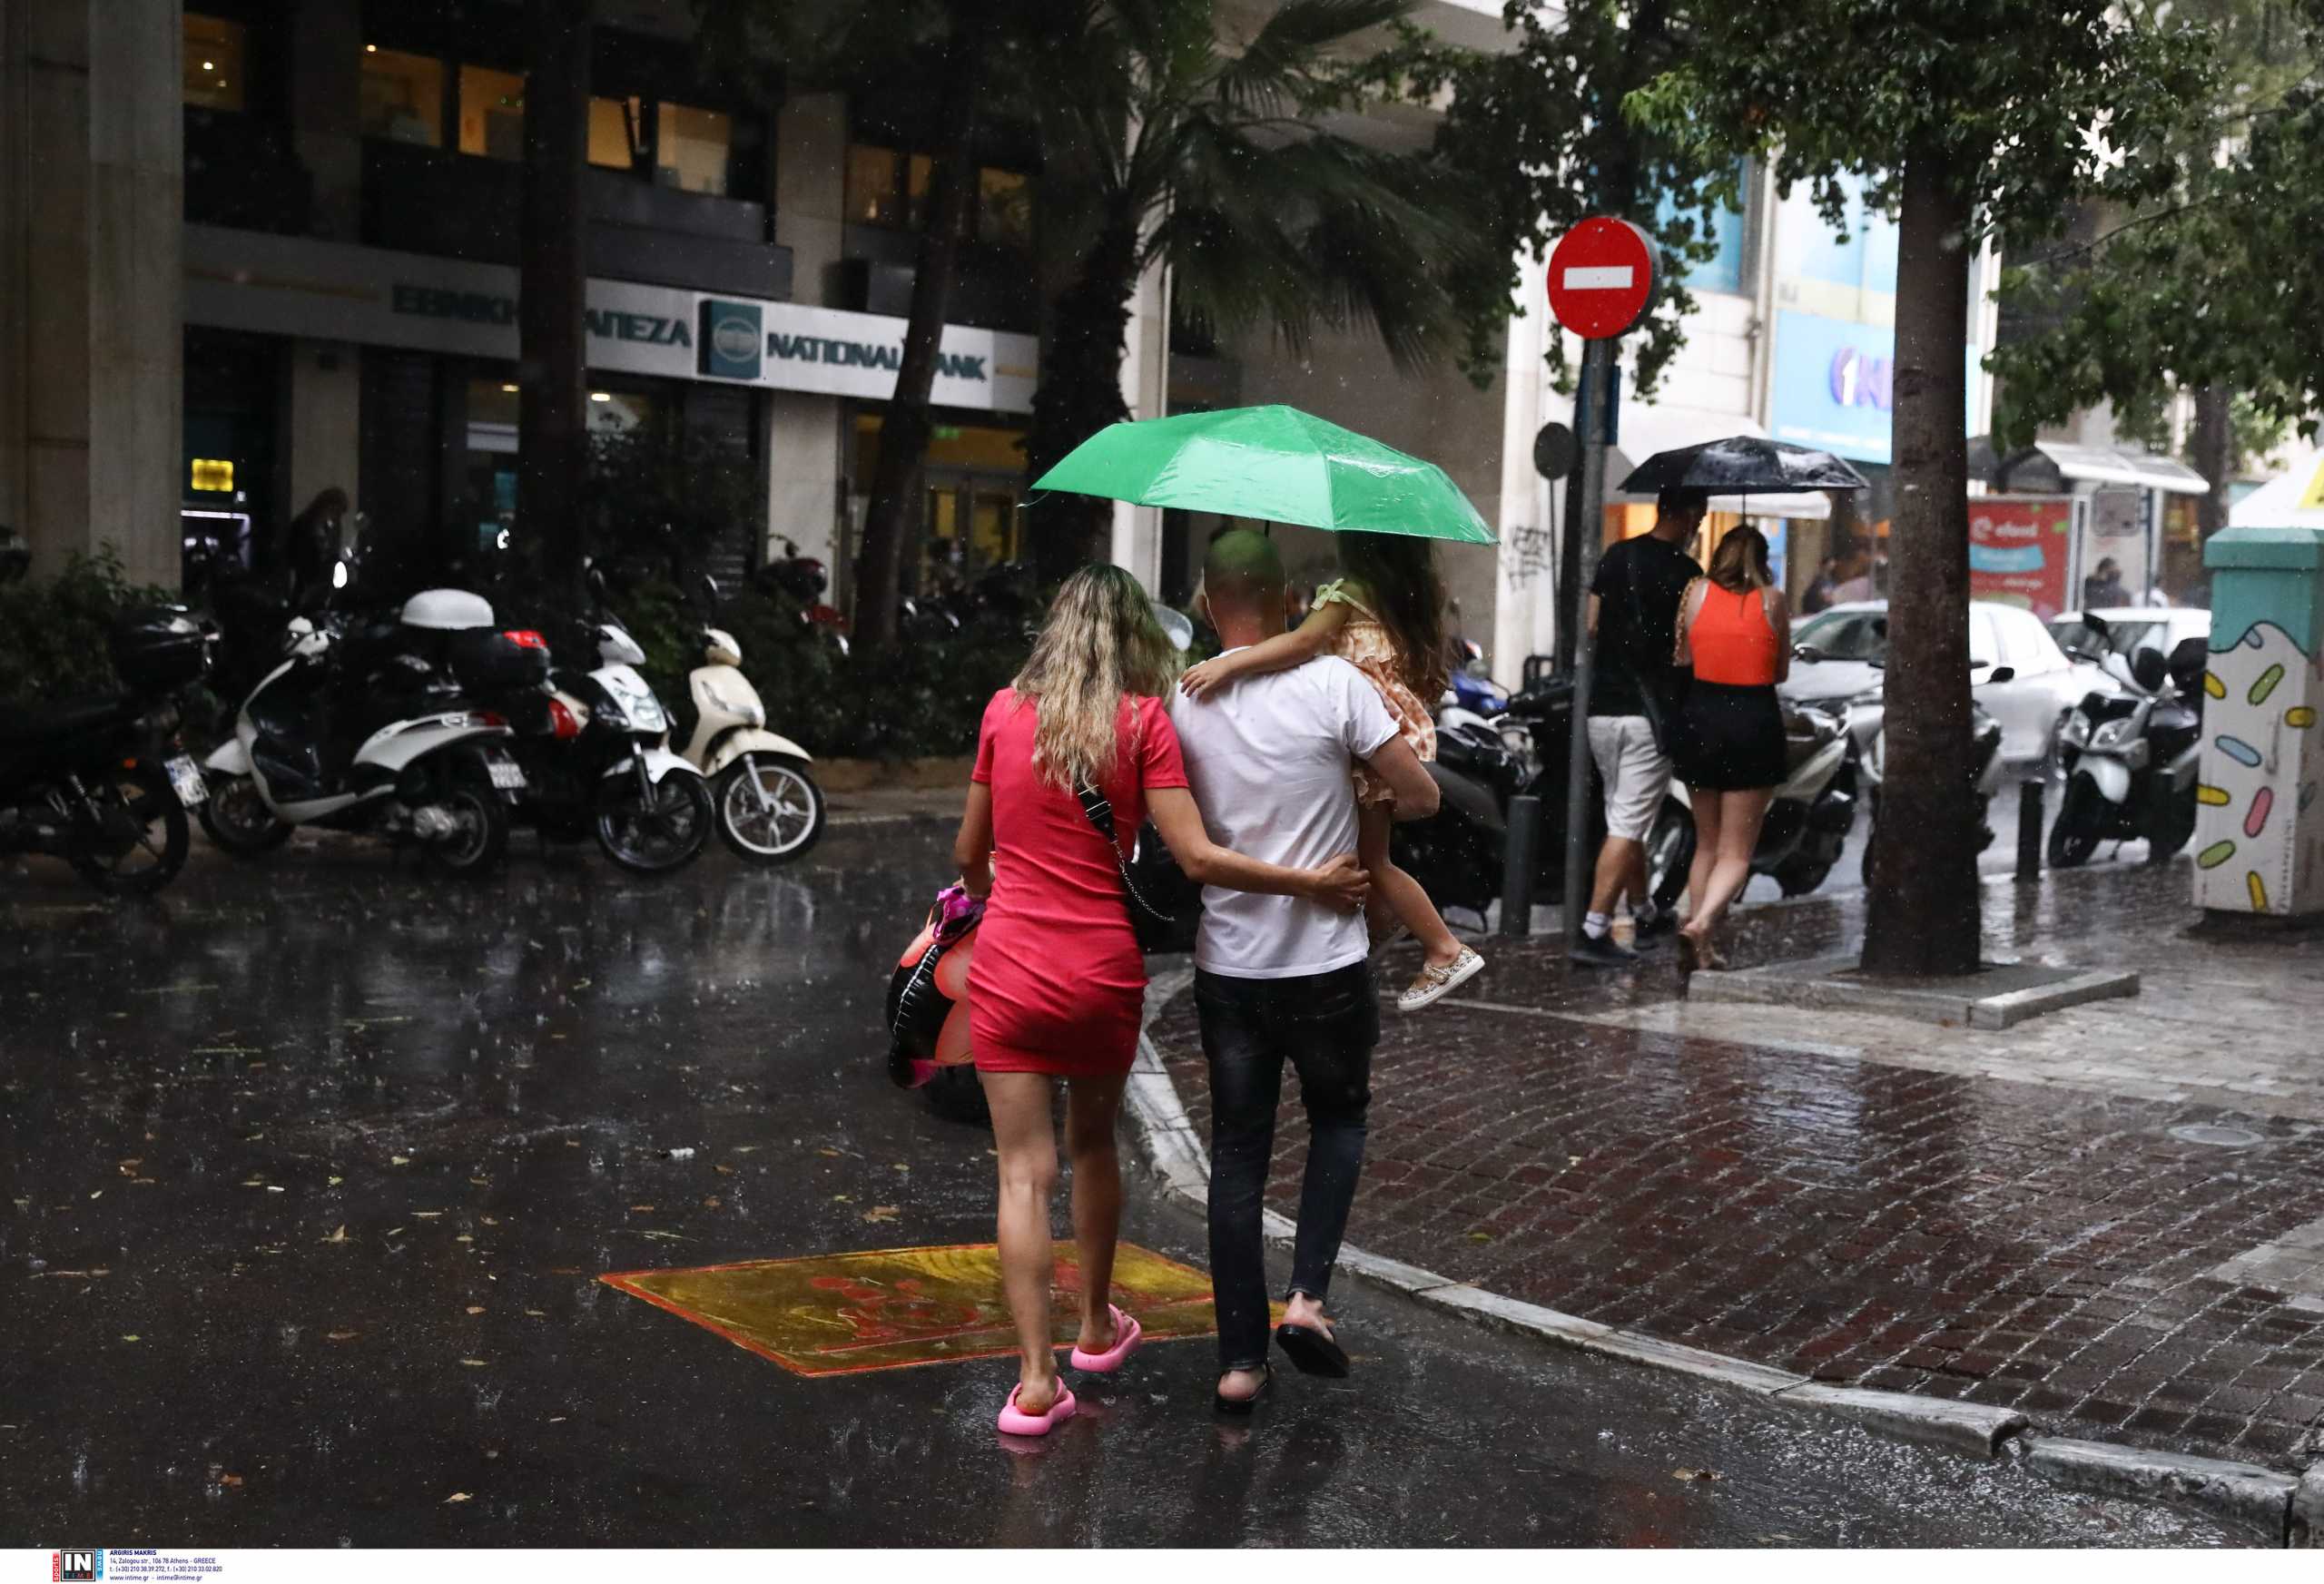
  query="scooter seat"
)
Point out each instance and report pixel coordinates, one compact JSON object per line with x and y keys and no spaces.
{"x":45,"y":722}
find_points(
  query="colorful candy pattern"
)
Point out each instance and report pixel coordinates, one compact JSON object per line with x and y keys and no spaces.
{"x":2264,"y":761}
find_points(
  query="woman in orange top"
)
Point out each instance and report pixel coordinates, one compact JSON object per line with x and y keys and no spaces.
{"x":1735,"y":629}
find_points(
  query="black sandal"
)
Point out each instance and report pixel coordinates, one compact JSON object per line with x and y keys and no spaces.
{"x":1312,"y":1352}
{"x":1243,"y":1406}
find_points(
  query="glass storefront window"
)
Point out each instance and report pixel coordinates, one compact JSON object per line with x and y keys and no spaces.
{"x":919,"y":169}
{"x":616,"y":132}
{"x":693,"y":149}
{"x":213,"y":61}
{"x":492,"y":113}
{"x":1005,"y":210}
{"x":616,"y":412}
{"x":872,"y":196}
{"x":402,"y":97}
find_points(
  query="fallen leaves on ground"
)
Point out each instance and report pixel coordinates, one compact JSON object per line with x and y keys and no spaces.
{"x":337,"y":1236}
{"x":477,"y":1363}
{"x":883,"y":1213}
{"x":339,"y":1335}
{"x":1691,"y":1474}
{"x":131,"y":1336}
{"x":457,"y":1496}
{"x":398,"y":1160}
{"x":475,"y":1308}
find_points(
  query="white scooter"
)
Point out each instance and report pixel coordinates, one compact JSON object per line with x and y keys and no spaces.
{"x":425,"y":768}
{"x":769,"y":809}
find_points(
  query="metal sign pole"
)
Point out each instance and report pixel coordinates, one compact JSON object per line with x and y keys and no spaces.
{"x":1588,"y":525}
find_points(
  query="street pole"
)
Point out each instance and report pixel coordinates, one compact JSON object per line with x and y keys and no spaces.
{"x":1588,"y":525}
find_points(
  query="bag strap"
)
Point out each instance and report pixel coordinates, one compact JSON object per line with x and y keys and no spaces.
{"x":1100,"y":814}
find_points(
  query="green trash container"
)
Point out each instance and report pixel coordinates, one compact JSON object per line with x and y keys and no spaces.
{"x":2260,"y":828}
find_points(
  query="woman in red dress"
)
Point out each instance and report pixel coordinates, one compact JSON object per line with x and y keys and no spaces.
{"x":1058,"y":985}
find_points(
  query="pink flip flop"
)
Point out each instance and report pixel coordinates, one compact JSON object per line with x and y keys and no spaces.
{"x":1127,"y":1334}
{"x":1013,"y":1421}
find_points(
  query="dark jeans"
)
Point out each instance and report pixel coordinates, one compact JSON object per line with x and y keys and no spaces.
{"x":1326,"y":1024}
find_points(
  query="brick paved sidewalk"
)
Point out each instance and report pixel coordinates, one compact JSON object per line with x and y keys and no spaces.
{"x":2006,"y":1219}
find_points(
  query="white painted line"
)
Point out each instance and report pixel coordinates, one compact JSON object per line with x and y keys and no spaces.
{"x":1599,"y":278}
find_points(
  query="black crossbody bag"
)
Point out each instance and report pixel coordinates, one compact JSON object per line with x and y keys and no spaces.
{"x":1153,"y":927}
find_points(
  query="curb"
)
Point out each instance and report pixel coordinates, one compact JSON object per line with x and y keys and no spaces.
{"x":2287,"y":1510}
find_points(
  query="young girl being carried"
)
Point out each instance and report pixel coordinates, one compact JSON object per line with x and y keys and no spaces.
{"x":1384,"y":616}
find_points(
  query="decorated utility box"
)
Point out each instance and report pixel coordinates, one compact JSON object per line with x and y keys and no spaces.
{"x":2260,"y":826}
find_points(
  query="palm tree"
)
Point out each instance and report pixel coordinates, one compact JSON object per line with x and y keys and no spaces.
{"x":1165,"y":143}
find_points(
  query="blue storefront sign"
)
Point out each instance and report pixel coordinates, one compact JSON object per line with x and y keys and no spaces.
{"x":1835,"y":385}
{"x":730,"y":339}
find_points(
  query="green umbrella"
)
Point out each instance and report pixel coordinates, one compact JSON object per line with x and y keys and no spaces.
{"x":1275,"y":462}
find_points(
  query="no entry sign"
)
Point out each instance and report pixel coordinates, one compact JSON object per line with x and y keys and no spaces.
{"x":1601,"y":273}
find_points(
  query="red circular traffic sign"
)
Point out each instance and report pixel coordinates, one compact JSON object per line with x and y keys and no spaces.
{"x":1601,"y":274}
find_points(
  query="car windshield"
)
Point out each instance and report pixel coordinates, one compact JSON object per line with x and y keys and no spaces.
{"x":2125,"y":638}
{"x":1846,"y":634}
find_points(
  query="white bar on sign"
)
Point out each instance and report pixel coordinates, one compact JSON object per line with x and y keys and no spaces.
{"x":1599,"y":278}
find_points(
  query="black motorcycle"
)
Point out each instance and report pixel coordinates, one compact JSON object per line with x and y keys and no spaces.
{"x":100,"y":780}
{"x":2130,"y":758}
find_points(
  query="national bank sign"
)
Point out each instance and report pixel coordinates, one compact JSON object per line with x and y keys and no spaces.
{"x":301,"y":286}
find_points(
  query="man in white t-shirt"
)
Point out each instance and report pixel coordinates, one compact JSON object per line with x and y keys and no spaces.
{"x":1270,"y":759}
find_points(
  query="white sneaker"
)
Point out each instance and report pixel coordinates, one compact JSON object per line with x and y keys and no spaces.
{"x":1433,"y":984}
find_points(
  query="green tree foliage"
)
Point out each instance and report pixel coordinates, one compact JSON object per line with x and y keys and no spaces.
{"x":2205,"y":279}
{"x":53,"y":630}
{"x":1166,"y":141}
{"x":1965,"y":115}
{"x":1541,"y":126}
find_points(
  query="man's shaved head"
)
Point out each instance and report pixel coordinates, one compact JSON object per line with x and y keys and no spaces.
{"x":1244,"y":571}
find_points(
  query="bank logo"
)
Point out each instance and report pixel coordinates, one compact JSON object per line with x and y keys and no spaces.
{"x":730,"y":342}
{"x":69,"y":1567}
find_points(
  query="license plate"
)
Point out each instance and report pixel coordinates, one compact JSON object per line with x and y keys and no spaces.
{"x":185,"y":778}
{"x":507,"y":775}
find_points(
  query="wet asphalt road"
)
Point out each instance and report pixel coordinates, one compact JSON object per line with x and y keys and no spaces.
{"x":310,"y":1167}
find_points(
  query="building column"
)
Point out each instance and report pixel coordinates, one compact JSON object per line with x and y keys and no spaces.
{"x":326,"y":110}
{"x":804,"y":456}
{"x":91,"y":193}
{"x":325,"y":421}
{"x":1146,"y":389}
{"x":1524,"y":613}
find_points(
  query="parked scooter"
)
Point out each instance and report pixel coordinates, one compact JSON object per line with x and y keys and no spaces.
{"x":650,"y":809}
{"x":2130,"y":757}
{"x":99,"y":781}
{"x":804,"y":578}
{"x":768,"y":807}
{"x":356,"y":732}
{"x":1986,"y":760}
{"x":1807,"y":822}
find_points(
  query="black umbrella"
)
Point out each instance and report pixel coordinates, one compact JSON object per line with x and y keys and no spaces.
{"x":1742,"y":465}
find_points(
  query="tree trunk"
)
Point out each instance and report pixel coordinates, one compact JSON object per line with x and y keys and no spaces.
{"x":2212,"y":450}
{"x":1080,"y":390}
{"x":1921,"y":915}
{"x":904,"y":430}
{"x":552,"y":450}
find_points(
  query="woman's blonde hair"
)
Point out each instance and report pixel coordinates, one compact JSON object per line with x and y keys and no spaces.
{"x":1099,"y":645}
{"x":1740,"y":565}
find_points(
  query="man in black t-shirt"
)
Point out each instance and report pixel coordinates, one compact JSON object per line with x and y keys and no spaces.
{"x":1633,"y":611}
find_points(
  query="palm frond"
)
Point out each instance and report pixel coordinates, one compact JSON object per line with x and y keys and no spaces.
{"x":1294,"y":50}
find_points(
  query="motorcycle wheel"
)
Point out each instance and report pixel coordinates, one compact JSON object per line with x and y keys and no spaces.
{"x":2074,"y":835}
{"x":483,"y":839}
{"x":1796,"y":879}
{"x":237,"y":818}
{"x":955,"y":1095}
{"x":2171,"y":826}
{"x":1671,"y":853}
{"x":658,"y":832}
{"x":780,"y":831}
{"x":130,"y":838}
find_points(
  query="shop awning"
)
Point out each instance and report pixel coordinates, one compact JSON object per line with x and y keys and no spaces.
{"x":1646,"y":429}
{"x":2106,"y":464}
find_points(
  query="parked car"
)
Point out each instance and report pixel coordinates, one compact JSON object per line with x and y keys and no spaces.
{"x":1847,"y":641}
{"x":2127,"y":630}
